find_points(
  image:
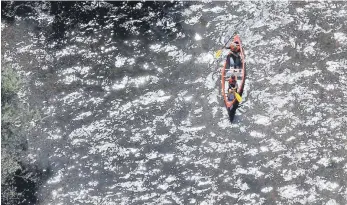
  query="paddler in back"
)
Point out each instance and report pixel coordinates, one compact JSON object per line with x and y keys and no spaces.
{"x":233,"y":82}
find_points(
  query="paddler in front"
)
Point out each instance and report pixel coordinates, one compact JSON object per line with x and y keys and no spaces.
{"x":233,"y":55}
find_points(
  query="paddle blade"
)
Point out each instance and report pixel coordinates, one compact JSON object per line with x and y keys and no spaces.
{"x":238,"y":97}
{"x":218,"y":53}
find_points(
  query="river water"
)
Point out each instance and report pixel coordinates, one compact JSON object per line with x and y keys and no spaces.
{"x":129,"y":95}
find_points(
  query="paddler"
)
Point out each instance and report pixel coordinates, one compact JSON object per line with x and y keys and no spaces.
{"x":233,"y":82}
{"x":233,"y":55}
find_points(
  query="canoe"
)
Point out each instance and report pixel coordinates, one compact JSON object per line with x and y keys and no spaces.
{"x":239,"y":72}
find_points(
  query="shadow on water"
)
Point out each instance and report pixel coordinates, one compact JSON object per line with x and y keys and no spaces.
{"x":26,"y":182}
{"x":232,"y":113}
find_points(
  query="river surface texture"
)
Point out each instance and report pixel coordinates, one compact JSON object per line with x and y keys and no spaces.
{"x":131,"y":110}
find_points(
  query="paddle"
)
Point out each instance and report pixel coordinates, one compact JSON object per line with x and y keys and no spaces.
{"x":219,"y":52}
{"x":238,"y":97}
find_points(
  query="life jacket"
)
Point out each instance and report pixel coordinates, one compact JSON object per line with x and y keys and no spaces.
{"x":232,"y":81}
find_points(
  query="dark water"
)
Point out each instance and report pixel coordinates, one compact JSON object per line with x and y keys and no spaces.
{"x":131,"y":105}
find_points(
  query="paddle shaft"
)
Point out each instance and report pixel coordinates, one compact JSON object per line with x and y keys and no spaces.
{"x":227,"y":41}
{"x":219,"y":52}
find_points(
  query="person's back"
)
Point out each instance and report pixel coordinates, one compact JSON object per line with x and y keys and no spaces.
{"x":233,"y":82}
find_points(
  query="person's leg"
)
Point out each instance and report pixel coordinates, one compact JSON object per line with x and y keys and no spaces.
{"x":231,"y":97}
{"x":238,"y":62}
{"x":228,"y":61}
{"x":234,"y":59}
{"x":232,"y":62}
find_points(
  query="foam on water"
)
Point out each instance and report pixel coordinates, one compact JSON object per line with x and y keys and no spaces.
{"x":197,"y":37}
